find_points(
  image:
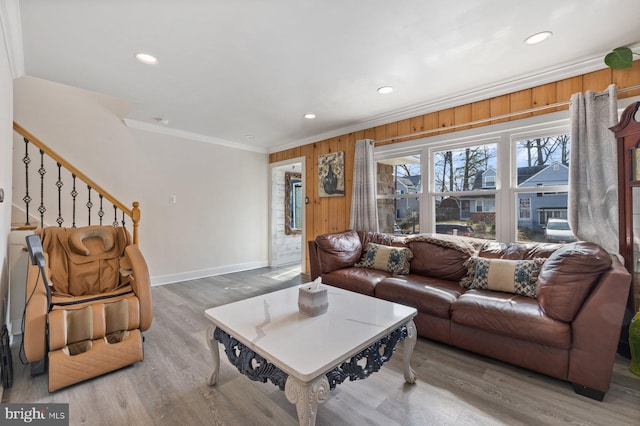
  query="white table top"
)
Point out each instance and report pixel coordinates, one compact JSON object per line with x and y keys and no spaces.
{"x":306,"y":347}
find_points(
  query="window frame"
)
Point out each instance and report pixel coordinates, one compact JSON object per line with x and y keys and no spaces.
{"x":527,"y":208}
{"x":505,"y":135}
{"x":393,"y":154}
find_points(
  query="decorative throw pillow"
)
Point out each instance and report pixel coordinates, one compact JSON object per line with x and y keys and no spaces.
{"x":511,"y":276}
{"x":386,"y":258}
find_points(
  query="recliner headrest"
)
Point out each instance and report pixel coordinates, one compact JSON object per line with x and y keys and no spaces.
{"x":77,"y":237}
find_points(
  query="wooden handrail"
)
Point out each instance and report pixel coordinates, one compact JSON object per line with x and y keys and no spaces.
{"x":133,"y":213}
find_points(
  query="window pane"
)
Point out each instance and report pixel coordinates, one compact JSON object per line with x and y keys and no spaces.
{"x":543,"y":161}
{"x":399,"y":215}
{"x":468,"y":215}
{"x":534,"y":213}
{"x":399,"y":177}
{"x":465,"y":169}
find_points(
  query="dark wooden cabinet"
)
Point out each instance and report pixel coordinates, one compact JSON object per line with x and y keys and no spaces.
{"x":627,"y":132}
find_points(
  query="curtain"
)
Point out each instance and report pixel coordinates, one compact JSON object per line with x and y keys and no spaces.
{"x":364,"y":209}
{"x":593,"y":169}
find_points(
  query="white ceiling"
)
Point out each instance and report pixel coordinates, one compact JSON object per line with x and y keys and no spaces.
{"x":228,"y":69}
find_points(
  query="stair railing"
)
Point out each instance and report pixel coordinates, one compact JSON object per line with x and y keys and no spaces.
{"x":28,"y":138}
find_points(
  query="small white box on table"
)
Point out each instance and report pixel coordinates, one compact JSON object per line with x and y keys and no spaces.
{"x":312,"y":298}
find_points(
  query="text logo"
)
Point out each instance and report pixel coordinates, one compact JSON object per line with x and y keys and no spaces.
{"x":35,"y":414}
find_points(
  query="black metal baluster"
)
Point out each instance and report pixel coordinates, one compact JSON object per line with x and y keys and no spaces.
{"x":74,"y":194}
{"x":123,"y":222}
{"x":59,"y":184}
{"x":42,"y":171}
{"x":26,"y":160}
{"x":100,"y":212}
{"x":89,"y":205}
{"x":115,"y":216}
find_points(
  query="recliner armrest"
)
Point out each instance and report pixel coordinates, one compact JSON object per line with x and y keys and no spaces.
{"x":141,"y":284}
{"x":37,"y":306}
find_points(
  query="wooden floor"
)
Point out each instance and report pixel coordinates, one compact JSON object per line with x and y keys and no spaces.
{"x":454,"y":387}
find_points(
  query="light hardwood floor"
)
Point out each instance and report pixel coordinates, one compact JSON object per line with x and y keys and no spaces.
{"x":454,"y":387}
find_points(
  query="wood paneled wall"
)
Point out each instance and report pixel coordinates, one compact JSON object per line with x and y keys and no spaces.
{"x":324,"y":215}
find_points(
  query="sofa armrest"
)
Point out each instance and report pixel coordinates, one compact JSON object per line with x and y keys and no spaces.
{"x":314,"y":261}
{"x":596,"y":329}
{"x":141,"y":284}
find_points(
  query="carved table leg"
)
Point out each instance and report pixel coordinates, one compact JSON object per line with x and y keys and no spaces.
{"x":306,"y":397}
{"x":215,"y":355}
{"x":409,"y":344}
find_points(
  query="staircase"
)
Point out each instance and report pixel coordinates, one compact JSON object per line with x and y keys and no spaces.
{"x":54,"y":192}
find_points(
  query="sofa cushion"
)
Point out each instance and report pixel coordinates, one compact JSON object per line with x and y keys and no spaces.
{"x":567,"y":277}
{"x":428,"y":295}
{"x":337,"y":251}
{"x":385,"y":258}
{"x":511,"y":276}
{"x":510,"y":315}
{"x":359,"y":280}
{"x":440,"y":256}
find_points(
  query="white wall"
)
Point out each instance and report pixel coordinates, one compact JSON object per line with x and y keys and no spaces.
{"x":219,"y":222}
{"x":285,"y":249}
{"x":6,"y":118}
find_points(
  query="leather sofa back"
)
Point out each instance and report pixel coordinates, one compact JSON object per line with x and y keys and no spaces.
{"x":516,"y":251}
{"x":568,"y":276}
{"x":436,"y":261}
{"x":338,"y":251}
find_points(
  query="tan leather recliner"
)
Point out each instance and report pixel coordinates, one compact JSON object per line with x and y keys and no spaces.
{"x":100,"y":303}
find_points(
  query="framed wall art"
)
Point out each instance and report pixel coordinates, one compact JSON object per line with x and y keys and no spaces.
{"x":331,"y":174}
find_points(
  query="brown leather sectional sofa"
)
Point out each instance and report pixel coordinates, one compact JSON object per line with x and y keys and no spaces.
{"x":570,"y":330}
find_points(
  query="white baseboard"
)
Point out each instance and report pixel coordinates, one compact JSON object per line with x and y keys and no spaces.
{"x":203,"y":273}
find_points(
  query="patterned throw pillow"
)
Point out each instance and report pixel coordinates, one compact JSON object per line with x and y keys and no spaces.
{"x":511,"y":276}
{"x":386,"y":258}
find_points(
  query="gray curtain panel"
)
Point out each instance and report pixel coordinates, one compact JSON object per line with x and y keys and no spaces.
{"x":364,"y":210}
{"x":593,"y":168}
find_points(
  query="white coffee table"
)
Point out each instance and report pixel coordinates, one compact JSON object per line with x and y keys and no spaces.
{"x":267,"y":338}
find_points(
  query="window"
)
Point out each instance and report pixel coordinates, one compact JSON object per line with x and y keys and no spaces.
{"x":503,"y":181}
{"x":399,"y":189}
{"x":463,"y":181}
{"x":489,"y":180}
{"x":542,"y":172}
{"x":524,"y":211}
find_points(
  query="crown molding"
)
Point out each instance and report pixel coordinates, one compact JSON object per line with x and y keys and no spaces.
{"x":527,"y":81}
{"x":141,"y":125}
{"x":11,"y":24}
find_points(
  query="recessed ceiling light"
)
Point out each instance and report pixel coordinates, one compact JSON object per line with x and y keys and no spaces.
{"x":538,"y":37}
{"x":385,"y":90}
{"x":145,"y":58}
{"x":310,"y":115}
